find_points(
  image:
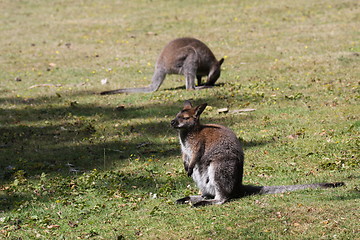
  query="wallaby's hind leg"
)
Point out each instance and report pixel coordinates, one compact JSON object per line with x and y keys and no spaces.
{"x":218,"y":199}
{"x":184,"y":200}
{"x":198,"y":201}
{"x":190,"y":199}
{"x":190,"y":80}
{"x":209,"y":202}
{"x":189,"y":69}
{"x":223,"y":189}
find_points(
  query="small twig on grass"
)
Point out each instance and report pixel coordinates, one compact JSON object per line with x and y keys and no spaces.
{"x":45,"y":85}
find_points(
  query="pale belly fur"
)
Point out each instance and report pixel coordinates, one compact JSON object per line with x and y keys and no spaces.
{"x":205,"y":181}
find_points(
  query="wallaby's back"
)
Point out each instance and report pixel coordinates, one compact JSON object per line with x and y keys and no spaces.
{"x":219,"y":143}
{"x":172,"y":56}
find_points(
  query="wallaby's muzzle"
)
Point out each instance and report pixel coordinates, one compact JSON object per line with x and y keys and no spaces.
{"x":174,"y":123}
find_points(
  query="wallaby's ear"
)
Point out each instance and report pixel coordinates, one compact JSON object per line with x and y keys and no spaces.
{"x":187,"y":104}
{"x":199,"y":109}
{"x":221,"y":61}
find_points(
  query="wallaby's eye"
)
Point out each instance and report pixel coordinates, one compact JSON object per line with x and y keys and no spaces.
{"x":185,"y":118}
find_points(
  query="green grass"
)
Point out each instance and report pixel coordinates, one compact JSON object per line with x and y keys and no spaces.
{"x":77,"y":165}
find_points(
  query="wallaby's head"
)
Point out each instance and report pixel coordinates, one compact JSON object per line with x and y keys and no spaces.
{"x":188,"y":117}
{"x":214,"y":73}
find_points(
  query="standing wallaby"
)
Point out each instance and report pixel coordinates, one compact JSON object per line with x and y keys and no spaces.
{"x":187,"y":56}
{"x":213,"y":157}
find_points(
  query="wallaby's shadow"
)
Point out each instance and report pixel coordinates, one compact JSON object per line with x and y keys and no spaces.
{"x":183,"y":87}
{"x":255,"y":143}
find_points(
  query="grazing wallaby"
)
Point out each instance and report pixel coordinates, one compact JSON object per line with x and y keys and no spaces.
{"x":213,"y":157}
{"x":187,"y":56}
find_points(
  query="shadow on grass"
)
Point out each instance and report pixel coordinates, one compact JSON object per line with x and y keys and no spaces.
{"x":46,"y":133}
{"x":183,"y":87}
{"x":351,"y":195}
{"x":58,"y":137}
{"x":250,"y":144}
{"x":44,"y":138}
{"x":67,"y":190}
{"x":8,"y":202}
{"x":57,"y":108}
{"x":51,"y":148}
{"x":63,"y":110}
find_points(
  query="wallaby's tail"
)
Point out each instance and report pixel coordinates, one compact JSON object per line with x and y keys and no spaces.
{"x":156,"y":81}
{"x":251,"y":190}
{"x":129,"y":90}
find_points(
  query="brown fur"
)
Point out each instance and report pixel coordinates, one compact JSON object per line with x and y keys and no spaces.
{"x":186,"y":56}
{"x":214,"y":158}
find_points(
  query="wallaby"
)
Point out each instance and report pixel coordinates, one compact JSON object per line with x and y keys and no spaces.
{"x":214,"y":158}
{"x":187,"y":56}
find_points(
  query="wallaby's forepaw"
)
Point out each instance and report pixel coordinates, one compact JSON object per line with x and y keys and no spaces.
{"x":190,"y":172}
{"x":207,"y":202}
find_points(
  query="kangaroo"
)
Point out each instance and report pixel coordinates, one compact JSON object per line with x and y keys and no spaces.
{"x":214,"y":158}
{"x":186,"y":56}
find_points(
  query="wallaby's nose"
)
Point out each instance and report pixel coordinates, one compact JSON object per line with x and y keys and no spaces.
{"x":173,"y":123}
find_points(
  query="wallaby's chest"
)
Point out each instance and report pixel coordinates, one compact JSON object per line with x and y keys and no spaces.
{"x":186,"y":149}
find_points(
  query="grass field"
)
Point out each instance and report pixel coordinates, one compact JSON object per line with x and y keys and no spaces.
{"x":78,"y":165}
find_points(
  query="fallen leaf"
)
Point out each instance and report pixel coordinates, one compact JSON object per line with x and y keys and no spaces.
{"x":104,"y":81}
{"x":73,"y":224}
{"x":53,"y":226}
{"x":293,"y":136}
{"x":151,"y":33}
{"x":243,"y":110}
{"x":223,"y":110}
{"x":323,"y":133}
{"x":45,"y":85}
